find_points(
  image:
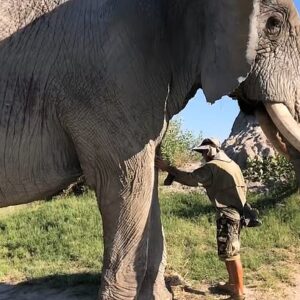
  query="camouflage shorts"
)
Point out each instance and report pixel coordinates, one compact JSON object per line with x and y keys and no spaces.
{"x":228,"y":238}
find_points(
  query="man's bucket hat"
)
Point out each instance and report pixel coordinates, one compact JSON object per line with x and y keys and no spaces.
{"x":206,"y":144}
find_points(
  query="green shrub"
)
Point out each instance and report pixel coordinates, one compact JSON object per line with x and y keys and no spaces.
{"x":177,"y":144}
{"x":275,"y":172}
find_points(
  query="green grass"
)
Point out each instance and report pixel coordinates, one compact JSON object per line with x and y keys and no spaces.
{"x":64,"y":236}
{"x":55,"y":237}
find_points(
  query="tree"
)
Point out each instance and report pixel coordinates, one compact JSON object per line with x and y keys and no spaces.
{"x":177,"y":144}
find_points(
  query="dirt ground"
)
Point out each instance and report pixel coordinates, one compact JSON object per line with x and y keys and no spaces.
{"x":202,"y":293}
{"x":181,"y":291}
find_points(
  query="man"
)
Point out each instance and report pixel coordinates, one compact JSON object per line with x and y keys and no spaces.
{"x":223,"y":180}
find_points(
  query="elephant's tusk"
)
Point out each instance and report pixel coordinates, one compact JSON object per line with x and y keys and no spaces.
{"x":285,"y":123}
{"x":271,"y":132}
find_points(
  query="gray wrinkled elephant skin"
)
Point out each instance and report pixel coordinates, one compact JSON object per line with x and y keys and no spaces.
{"x":87,"y":87}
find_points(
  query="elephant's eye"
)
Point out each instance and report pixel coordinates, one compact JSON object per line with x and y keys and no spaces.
{"x":273,"y":25}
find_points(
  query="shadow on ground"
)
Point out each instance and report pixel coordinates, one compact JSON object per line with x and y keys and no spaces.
{"x":191,"y":209}
{"x":59,"y":287}
{"x":83,"y":286}
{"x":268,"y":202}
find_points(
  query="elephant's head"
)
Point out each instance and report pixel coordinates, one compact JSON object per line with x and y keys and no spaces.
{"x":272,"y":88}
{"x":255,"y":45}
{"x":273,"y":85}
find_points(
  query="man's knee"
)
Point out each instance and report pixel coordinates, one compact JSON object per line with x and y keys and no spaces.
{"x":228,"y":238}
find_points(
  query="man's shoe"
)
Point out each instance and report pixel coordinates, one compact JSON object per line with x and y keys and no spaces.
{"x":223,"y":288}
{"x":236,"y":297}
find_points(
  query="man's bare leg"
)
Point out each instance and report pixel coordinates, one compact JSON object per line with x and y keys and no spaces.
{"x":235,"y":273}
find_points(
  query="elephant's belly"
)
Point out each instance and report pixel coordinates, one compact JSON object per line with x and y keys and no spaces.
{"x":36,"y":166}
{"x":21,"y":192}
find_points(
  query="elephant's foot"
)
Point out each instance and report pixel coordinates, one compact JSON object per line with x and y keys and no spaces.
{"x":158,"y":291}
{"x":161,"y":293}
{"x":148,"y":291}
{"x":118,"y":285}
{"x":116,"y":293}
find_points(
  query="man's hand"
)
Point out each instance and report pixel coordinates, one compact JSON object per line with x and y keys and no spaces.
{"x":161,"y":164}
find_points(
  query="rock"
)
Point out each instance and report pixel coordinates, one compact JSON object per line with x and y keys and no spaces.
{"x":257,"y":187}
{"x":247,"y":140}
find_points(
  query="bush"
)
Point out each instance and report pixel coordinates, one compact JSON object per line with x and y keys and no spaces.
{"x":177,"y":144}
{"x":274,"y":172}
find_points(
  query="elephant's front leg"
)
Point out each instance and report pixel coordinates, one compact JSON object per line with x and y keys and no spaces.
{"x":125,"y":204}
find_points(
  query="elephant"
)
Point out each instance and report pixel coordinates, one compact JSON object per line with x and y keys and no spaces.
{"x":87,"y":87}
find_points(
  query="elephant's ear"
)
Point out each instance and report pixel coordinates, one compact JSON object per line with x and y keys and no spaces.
{"x":230,"y":43}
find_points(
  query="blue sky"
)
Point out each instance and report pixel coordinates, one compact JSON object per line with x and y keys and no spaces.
{"x":212,"y":120}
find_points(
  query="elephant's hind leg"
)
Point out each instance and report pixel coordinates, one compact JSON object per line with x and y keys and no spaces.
{"x":125,"y":202}
{"x":153,"y":286}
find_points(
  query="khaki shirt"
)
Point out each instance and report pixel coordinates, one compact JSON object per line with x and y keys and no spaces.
{"x":223,"y":180}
